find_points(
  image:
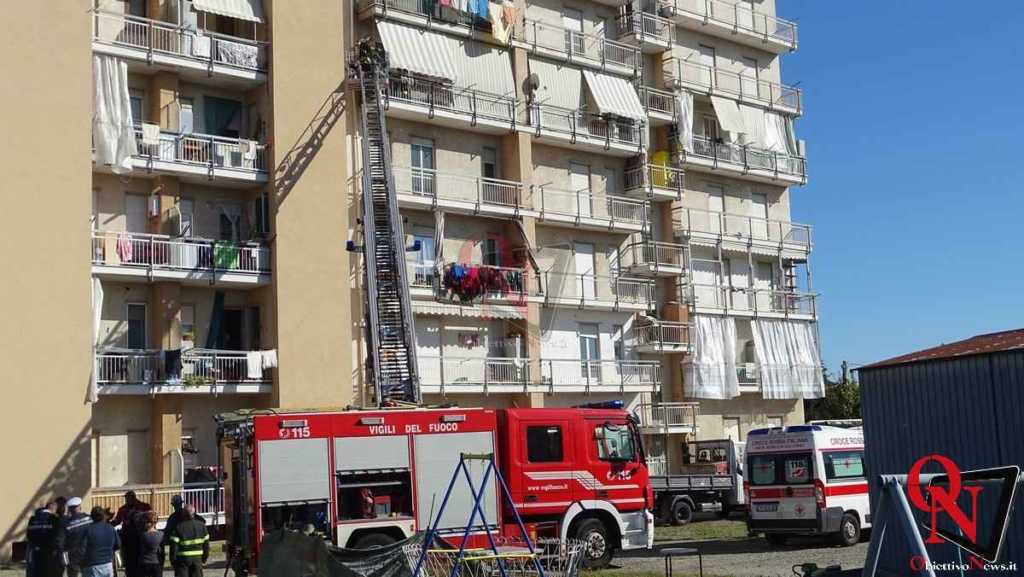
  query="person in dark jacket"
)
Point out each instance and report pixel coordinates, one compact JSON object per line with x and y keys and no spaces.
{"x":151,"y":548}
{"x":46,"y":542}
{"x":75,"y":526}
{"x":100,"y":543}
{"x":190,"y":545}
{"x":130,"y":518}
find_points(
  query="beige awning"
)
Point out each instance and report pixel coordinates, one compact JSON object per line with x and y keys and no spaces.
{"x":614,"y":95}
{"x":480,"y":311}
{"x":560,"y":84}
{"x":251,"y":10}
{"x":729,"y":115}
{"x":418,"y":51}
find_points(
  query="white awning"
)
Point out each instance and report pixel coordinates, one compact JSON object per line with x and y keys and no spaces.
{"x":754,"y":122}
{"x":560,"y":84}
{"x":729,"y":116}
{"x":251,"y":10}
{"x":480,"y":311}
{"x":614,"y":95}
{"x":417,"y":51}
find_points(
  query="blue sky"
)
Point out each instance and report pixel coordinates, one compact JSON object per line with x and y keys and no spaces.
{"x":914,"y":139}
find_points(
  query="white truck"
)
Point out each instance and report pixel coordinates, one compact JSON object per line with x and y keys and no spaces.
{"x":711,"y":477}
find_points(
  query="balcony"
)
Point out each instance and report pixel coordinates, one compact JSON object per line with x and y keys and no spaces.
{"x":667,"y":418}
{"x":206,"y":498}
{"x":449,"y":375}
{"x":472,"y":284}
{"x":751,"y":301}
{"x":584,"y":49}
{"x":747,"y":88}
{"x":432,"y":189}
{"x":165,"y":46}
{"x":138,"y":257}
{"x":654,"y":336}
{"x":590,"y":210}
{"x":443,"y":104}
{"x":741,"y":232}
{"x":202,"y":157}
{"x":733,"y":21}
{"x":655,"y":181}
{"x":597,"y":376}
{"x":649,"y":32}
{"x":749,"y":378}
{"x":585,"y":131}
{"x":425,"y":14}
{"x":711,"y":155}
{"x":660,"y":105}
{"x":652,"y":258}
{"x":597,"y":292}
{"x":146,"y":372}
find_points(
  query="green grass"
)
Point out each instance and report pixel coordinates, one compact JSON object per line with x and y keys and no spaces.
{"x":702,"y":530}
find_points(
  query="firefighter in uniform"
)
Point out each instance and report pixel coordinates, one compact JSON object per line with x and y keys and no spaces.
{"x":75,"y":526}
{"x":45,"y":541}
{"x":190,"y":545}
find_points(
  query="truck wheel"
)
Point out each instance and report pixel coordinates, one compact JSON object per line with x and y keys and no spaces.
{"x":597,"y":550}
{"x":373,"y":541}
{"x":849,"y":531}
{"x":775,"y":539}
{"x":682,"y":512}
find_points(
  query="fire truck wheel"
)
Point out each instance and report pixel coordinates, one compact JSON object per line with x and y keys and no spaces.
{"x":597,"y":551}
{"x":775,"y":539}
{"x":849,"y":531}
{"x":682,"y":512}
{"x":373,"y":540}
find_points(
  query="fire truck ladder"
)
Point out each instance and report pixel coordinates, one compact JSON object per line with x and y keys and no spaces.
{"x":390,"y":321}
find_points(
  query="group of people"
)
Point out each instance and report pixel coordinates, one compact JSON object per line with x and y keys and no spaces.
{"x":62,"y":538}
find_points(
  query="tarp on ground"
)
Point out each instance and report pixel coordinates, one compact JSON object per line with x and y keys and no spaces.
{"x":291,"y":554}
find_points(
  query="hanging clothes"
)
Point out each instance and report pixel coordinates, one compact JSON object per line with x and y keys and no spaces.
{"x":124,"y":247}
{"x":498,"y":28}
{"x":269,"y":359}
{"x":509,"y":14}
{"x":254,"y":365}
{"x":113,"y":126}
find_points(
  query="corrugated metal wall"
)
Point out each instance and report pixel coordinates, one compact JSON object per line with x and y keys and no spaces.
{"x":970,"y":409}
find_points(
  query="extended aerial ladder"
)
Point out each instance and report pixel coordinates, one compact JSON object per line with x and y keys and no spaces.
{"x":392,"y":336}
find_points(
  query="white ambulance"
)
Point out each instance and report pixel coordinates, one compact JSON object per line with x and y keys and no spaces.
{"x":807,"y":480}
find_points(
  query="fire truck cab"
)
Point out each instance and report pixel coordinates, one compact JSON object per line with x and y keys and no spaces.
{"x":807,"y":479}
{"x":369,"y":478}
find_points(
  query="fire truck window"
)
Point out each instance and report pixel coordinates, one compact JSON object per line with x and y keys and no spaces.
{"x":762,"y":470}
{"x":544,"y":444}
{"x":614,"y":443}
{"x":798,"y":469}
{"x":844,"y":465}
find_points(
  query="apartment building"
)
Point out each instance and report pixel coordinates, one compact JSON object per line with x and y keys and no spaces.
{"x":599,"y":193}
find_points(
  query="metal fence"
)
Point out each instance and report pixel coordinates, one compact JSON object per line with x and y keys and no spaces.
{"x":161,"y":252}
{"x":747,"y":157}
{"x":197,"y":367}
{"x":575,"y":45}
{"x":737,"y":15}
{"x":730,"y":226}
{"x":585,"y":204}
{"x":666,"y":334}
{"x":444,"y":96}
{"x":744,"y":86}
{"x":644,"y":179}
{"x":203,"y":150}
{"x":579,"y":124}
{"x":600,"y":374}
{"x":586,"y":288}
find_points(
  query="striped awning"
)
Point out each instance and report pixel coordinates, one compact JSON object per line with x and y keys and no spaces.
{"x":417,"y":51}
{"x":251,"y":10}
{"x":729,"y":116}
{"x":614,"y":95}
{"x":480,"y":311}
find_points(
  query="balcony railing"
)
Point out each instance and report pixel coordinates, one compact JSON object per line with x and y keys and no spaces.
{"x":453,"y":99}
{"x":667,"y":416}
{"x":753,"y":300}
{"x":738,"y":16}
{"x":485,"y":283}
{"x":748,"y":375}
{"x":646,"y":26}
{"x":598,"y":374}
{"x":204,"y":150}
{"x":434,"y":11}
{"x":657,"y":465}
{"x":578,"y":124}
{"x":197,"y":367}
{"x":652,"y":254}
{"x":661,"y":334}
{"x":579,"y":46}
{"x":657,"y":101}
{"x":744,"y":87}
{"x":644,"y":179}
{"x":160,"y":252}
{"x":729,"y":226}
{"x":480,"y":372}
{"x":586,"y":289}
{"x":206,"y":498}
{"x":584,"y":204}
{"x":477,"y":190}
{"x":748,"y":157}
{"x":156,"y":37}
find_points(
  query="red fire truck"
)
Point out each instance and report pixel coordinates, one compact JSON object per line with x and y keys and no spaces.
{"x":369,"y":478}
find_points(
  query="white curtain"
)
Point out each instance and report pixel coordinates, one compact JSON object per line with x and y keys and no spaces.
{"x":438,"y":238}
{"x":791,"y":137}
{"x":97,"y":313}
{"x":685,"y":100}
{"x":711,"y":374}
{"x":787,"y":359}
{"x":754,"y":120}
{"x":113,"y":131}
{"x":775,"y":133}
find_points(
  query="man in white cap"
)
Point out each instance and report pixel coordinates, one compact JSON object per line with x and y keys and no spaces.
{"x":75,"y":525}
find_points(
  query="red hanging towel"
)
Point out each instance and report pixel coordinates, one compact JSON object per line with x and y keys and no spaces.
{"x":447,"y":3}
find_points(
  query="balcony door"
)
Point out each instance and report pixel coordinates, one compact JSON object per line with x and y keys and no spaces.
{"x":135,"y":218}
{"x":422,"y":160}
{"x":749,"y":76}
{"x":135,"y":321}
{"x":764,"y":282}
{"x":586,"y":265}
{"x":590,"y":353}
{"x":423,"y":265}
{"x":706,"y":58}
{"x":759,"y":211}
{"x":579,"y":181}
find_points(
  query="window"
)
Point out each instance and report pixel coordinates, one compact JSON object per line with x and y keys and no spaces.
{"x":614,"y":442}
{"x":617,"y":336}
{"x":186,"y":116}
{"x":188,"y":325}
{"x":544,"y":444}
{"x":731,"y":428}
{"x":222,"y":117}
{"x":422,"y":151}
{"x":489,"y":163}
{"x":492,"y":252}
{"x":844,"y":465}
{"x":762,"y":470}
{"x":423,"y":275}
{"x":590,"y":351}
{"x":788,"y":469}
{"x":136,"y":98}
{"x":135,"y":313}
{"x":797,"y":469}
{"x":572,"y":22}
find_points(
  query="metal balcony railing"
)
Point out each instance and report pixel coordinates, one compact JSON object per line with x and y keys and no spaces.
{"x":585,"y":204}
{"x":481,"y":372}
{"x":652,"y":254}
{"x":646,"y":26}
{"x":747,"y":158}
{"x":666,"y":416}
{"x":746,"y":87}
{"x":644,"y":179}
{"x":737,"y":15}
{"x":575,"y":45}
{"x":578,"y":124}
{"x":478,"y":190}
{"x":203,"y":150}
{"x":661,"y":334}
{"x":156,"y":37}
{"x":488,"y":283}
{"x":753,"y":300}
{"x":434,"y":11}
{"x":437,"y":96}
{"x":198,"y":367}
{"x":657,"y":101}
{"x":161,"y":252}
{"x":728,"y":226}
{"x":206,"y":498}
{"x":598,"y":374}
{"x":586,"y":288}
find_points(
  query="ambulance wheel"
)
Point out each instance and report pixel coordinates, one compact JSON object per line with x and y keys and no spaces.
{"x":682,"y":512}
{"x":597,"y":550}
{"x":373,"y":541}
{"x":775,"y":539}
{"x":849,"y":531}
